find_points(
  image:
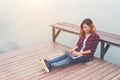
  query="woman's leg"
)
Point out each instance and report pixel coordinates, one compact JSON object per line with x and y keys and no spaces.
{"x":57,"y":59}
{"x":56,"y":62}
{"x":79,"y":60}
{"x":61,"y":63}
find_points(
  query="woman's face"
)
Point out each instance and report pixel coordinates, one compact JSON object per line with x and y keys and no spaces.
{"x":86,"y":28}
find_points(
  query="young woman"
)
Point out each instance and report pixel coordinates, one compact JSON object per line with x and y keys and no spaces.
{"x":86,"y":46}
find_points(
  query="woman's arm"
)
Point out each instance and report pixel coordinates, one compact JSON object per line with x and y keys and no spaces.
{"x":74,"y":48}
{"x":81,"y":53}
{"x":85,"y":52}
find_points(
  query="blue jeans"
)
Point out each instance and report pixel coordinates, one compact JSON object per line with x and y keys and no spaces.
{"x":64,"y":60}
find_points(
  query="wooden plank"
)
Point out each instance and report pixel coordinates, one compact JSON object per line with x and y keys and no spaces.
{"x":80,"y":71}
{"x":70,"y":72}
{"x":18,"y":67}
{"x":99,"y":72}
{"x":64,"y":72}
{"x":22,"y":51}
{"x":26,"y":66}
{"x":105,"y":36}
{"x":66,"y":29}
{"x":23,"y":61}
{"x":112,"y":75}
{"x":22,"y":64}
{"x":29,"y":72}
{"x":91,"y":70}
{"x":116,"y":77}
{"x":99,"y":31}
{"x":58,"y":73}
{"x":20,"y":57}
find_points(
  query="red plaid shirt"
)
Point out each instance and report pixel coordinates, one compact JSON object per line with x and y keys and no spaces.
{"x":91,"y":44}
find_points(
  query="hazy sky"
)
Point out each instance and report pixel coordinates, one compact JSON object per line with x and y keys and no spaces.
{"x":26,"y":22}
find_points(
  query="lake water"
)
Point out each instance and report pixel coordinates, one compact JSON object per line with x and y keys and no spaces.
{"x":24,"y":23}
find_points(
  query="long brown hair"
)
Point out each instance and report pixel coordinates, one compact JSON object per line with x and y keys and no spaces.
{"x":88,"y":22}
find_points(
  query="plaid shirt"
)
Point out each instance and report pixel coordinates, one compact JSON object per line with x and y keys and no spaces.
{"x":91,"y":44}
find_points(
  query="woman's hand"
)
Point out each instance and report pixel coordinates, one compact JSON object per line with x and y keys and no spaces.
{"x":75,"y":53}
{"x":71,"y":50}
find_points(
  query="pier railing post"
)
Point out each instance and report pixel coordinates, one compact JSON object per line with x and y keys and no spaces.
{"x":54,"y":34}
{"x":103,"y":50}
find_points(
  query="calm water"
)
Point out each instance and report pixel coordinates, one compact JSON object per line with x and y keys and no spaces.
{"x":25,"y":23}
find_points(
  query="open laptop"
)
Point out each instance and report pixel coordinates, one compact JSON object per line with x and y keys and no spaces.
{"x":70,"y":55}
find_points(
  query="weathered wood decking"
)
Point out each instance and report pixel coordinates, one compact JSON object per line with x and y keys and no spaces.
{"x":23,"y":65}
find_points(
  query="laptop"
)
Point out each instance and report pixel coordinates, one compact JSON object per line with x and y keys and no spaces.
{"x":70,"y":55}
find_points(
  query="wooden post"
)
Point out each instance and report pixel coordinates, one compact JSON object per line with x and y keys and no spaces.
{"x":57,"y":33}
{"x":53,"y":34}
{"x":103,"y":50}
{"x":107,"y":47}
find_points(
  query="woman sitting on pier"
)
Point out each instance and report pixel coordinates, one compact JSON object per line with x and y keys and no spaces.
{"x":84,"y":49}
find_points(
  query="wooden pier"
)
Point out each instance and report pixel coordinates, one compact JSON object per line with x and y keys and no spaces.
{"x":23,"y":64}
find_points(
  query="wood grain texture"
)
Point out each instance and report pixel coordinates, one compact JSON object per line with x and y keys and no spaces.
{"x":23,"y":65}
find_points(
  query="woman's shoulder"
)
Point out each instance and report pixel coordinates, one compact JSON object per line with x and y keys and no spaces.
{"x":96,"y":35}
